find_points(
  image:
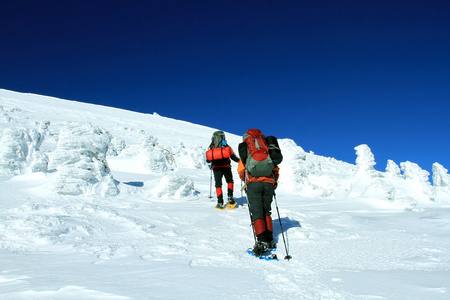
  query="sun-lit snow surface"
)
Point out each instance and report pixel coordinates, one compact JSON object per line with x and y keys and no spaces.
{"x":102,"y":203}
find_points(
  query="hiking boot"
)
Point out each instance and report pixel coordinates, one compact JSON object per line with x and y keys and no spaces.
{"x":231,"y":202}
{"x":260,"y":248}
{"x":220,"y":206}
{"x":271,"y":245}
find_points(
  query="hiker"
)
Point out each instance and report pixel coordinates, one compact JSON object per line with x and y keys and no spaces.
{"x":219,"y":157}
{"x":260,"y":174}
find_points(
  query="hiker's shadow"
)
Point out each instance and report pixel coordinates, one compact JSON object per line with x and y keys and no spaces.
{"x":286,"y":223}
{"x":241,"y":201}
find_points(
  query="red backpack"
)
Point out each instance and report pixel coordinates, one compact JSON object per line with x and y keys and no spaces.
{"x":258,"y":162}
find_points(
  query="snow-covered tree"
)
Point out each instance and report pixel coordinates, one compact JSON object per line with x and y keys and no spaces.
{"x":80,"y":160}
{"x":365,"y":161}
{"x":392,"y":169}
{"x":19,"y":151}
{"x":116,"y":147}
{"x":418,"y":179}
{"x":298,"y":168}
{"x":441,"y":178}
{"x":13,"y":150}
{"x":190,"y":157}
{"x":152,"y":155}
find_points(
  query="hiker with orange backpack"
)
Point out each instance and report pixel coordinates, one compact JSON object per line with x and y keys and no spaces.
{"x":219,"y":156}
{"x":258,"y":169}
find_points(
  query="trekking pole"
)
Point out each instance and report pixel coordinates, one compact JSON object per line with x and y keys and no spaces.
{"x":288,"y":257}
{"x":210,"y":186}
{"x":242,"y":196}
{"x":249,"y":212}
{"x":251,"y":222}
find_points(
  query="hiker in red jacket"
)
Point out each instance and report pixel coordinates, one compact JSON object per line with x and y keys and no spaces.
{"x":219,"y":155}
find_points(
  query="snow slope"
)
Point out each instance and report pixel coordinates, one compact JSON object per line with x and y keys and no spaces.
{"x":103,"y":203}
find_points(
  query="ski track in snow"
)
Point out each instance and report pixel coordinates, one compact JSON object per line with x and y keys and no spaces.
{"x":137,"y":245}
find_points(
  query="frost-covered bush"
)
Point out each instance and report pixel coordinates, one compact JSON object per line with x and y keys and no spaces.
{"x":175,"y":186}
{"x":80,"y":161}
{"x":418,"y":180}
{"x":19,"y":152}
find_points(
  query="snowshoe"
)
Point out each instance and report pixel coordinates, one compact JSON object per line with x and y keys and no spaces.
{"x":231,"y":204}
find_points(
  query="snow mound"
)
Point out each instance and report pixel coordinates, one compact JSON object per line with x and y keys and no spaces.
{"x":175,"y":186}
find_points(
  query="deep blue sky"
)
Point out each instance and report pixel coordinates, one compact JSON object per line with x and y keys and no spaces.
{"x":329,"y":74}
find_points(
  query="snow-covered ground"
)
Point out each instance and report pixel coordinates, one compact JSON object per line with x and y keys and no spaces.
{"x":103,"y":203}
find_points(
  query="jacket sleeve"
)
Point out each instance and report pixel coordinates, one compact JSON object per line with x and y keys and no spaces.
{"x":276,"y":174}
{"x":241,"y":170}
{"x":235,"y":158}
{"x":233,"y":155}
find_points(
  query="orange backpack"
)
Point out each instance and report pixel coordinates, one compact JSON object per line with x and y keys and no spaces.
{"x":219,"y":153}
